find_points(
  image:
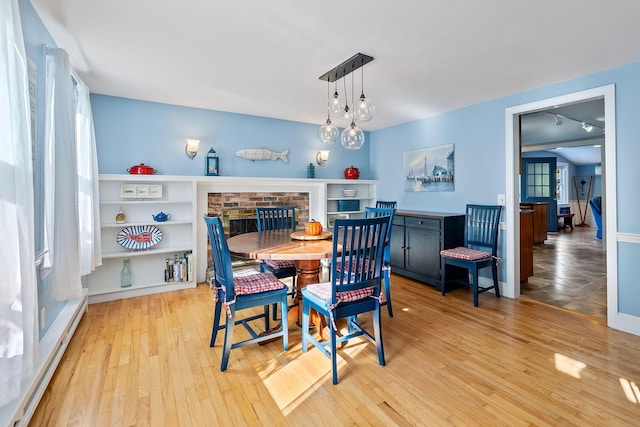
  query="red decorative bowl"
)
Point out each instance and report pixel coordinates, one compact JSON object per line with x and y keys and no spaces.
{"x":141,"y":169}
{"x":351,"y":173}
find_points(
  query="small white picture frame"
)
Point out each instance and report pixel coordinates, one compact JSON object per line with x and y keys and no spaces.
{"x":128,"y":191}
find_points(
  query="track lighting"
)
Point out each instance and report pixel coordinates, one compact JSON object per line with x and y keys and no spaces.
{"x":587,"y":127}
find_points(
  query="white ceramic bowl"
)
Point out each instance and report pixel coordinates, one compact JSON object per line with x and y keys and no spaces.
{"x":350,"y":193}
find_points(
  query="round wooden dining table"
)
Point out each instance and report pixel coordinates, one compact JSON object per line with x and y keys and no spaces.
{"x":278,"y":245}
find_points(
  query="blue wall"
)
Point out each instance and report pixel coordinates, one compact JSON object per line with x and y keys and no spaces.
{"x":36,"y":37}
{"x":129,"y":132}
{"x":478,"y":133}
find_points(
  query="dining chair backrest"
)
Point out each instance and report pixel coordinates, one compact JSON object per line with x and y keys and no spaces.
{"x":221,"y":257}
{"x":380,"y":204}
{"x":276,"y":218}
{"x":481,"y":228}
{"x":383,"y":212}
{"x":358,"y":245}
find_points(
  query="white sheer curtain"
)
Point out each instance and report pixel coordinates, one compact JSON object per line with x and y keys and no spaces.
{"x":60,"y":178}
{"x":18,"y":293}
{"x":88,"y":191}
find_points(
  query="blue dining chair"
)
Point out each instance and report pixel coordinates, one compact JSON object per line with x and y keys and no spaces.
{"x":278,"y":218}
{"x":386,"y":267}
{"x":240,"y":293}
{"x":480,"y":232}
{"x":380,"y":204}
{"x":358,"y":245}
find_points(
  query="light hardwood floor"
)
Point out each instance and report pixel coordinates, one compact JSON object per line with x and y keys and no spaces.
{"x":146,"y":361}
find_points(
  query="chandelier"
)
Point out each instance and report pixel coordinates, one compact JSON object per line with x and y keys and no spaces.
{"x":352,"y":137}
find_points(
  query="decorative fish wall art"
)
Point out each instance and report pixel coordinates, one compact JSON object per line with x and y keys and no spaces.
{"x":262,"y":154}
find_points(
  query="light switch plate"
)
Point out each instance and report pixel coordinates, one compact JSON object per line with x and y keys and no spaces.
{"x":501,"y":199}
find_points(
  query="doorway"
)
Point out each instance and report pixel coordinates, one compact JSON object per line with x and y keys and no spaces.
{"x":569,"y":264}
{"x":606,"y":93}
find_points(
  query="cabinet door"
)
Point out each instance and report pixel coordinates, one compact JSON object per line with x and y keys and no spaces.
{"x":423,"y":252}
{"x":397,"y":251}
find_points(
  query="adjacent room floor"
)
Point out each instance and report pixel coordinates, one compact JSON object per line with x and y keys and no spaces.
{"x":570,"y":271}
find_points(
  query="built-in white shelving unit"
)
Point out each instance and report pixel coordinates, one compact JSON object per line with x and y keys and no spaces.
{"x":178,"y":198}
{"x":336,"y":200}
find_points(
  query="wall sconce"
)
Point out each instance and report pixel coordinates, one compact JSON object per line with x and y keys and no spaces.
{"x":322,"y":156}
{"x":191,"y":149}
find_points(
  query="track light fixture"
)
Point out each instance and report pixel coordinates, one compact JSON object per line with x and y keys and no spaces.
{"x":586,"y":126}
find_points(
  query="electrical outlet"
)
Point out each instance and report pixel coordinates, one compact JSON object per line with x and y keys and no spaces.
{"x":43,"y":318}
{"x":501,"y":199}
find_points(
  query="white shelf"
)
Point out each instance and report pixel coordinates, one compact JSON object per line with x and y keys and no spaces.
{"x":366,"y":196}
{"x":147,"y":266}
{"x":110,"y":294}
{"x":154,"y":223}
{"x":344,"y":212}
{"x":128,"y":254}
{"x":124,"y":202}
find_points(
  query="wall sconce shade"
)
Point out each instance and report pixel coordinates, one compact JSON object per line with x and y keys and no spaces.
{"x":191,"y":149}
{"x":322,"y":156}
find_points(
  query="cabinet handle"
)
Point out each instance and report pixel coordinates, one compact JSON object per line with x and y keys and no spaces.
{"x":420,"y":222}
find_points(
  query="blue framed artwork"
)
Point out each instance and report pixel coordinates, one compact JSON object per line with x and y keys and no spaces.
{"x":429,"y":169}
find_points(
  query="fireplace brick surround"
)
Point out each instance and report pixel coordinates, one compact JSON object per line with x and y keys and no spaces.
{"x":230,"y":204}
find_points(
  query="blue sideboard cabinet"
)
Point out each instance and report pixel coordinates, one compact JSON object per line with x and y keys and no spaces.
{"x":417,"y":239}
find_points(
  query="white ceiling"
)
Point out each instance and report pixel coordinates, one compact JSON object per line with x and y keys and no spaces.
{"x":264,"y":58}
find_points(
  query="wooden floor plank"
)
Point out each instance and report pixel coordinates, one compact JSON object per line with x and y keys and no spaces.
{"x":147,"y":361}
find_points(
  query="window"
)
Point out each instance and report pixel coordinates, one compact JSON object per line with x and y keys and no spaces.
{"x":562,"y":183}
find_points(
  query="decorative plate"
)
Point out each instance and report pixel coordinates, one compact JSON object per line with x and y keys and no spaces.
{"x":139,"y":237}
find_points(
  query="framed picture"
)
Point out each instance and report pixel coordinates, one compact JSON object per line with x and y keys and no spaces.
{"x":429,"y":169}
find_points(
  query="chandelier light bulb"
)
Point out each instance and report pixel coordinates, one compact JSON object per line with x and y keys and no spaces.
{"x":346,"y":113}
{"x":352,"y":137}
{"x":364,"y":110}
{"x":336,"y":106}
{"x":328,"y":133}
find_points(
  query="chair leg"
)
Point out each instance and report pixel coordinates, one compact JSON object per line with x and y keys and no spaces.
{"x":266,"y":315}
{"x":474,"y":284}
{"x":228,"y":340}
{"x":305,"y":326}
{"x":377,"y":331}
{"x":494,"y":272}
{"x":443,"y":268}
{"x":216,"y":322}
{"x":334,"y":355}
{"x":387,"y":291}
{"x":284,"y":307}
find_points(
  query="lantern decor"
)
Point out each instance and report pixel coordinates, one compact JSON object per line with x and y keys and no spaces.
{"x":211,"y":163}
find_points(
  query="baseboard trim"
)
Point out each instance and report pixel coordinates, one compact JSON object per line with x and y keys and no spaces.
{"x":52,"y":346}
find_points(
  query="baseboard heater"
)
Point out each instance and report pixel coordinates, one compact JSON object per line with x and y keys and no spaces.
{"x":52,"y":346}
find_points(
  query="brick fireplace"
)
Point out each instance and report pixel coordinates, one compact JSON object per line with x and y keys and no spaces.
{"x":238,"y":209}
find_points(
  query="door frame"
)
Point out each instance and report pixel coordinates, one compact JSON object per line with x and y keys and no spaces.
{"x":512,"y":217}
